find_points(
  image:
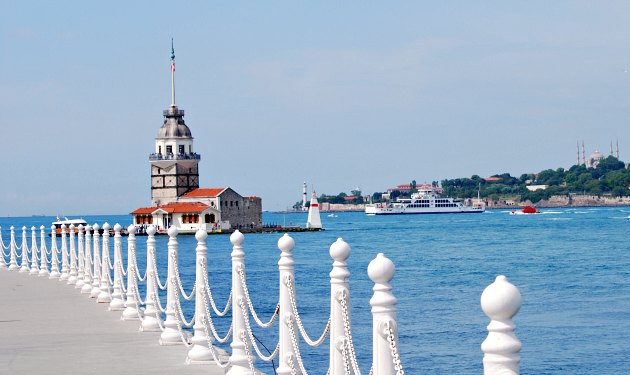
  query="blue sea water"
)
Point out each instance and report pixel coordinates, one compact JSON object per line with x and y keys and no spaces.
{"x":572,"y":267}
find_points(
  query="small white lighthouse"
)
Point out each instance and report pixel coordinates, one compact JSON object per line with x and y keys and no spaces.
{"x":304,"y":207}
{"x":313,"y":221}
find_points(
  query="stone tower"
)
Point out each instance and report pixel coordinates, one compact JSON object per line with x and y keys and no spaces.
{"x":174,"y":164}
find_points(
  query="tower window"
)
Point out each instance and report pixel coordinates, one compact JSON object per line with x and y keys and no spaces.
{"x":181,"y":149}
{"x":159,"y":149}
{"x":169,"y":149}
{"x":190,"y":148}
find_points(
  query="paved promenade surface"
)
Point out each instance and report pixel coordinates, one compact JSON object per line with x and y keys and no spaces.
{"x":48,"y":327}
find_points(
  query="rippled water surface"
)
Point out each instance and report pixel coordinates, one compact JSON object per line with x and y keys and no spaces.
{"x":572,"y":267}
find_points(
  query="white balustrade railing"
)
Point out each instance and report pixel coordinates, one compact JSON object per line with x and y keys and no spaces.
{"x":43,"y":257}
{"x":54,"y":261}
{"x":65,"y":265}
{"x":117,"y":303}
{"x":132,"y":309}
{"x":171,"y":335}
{"x":88,"y":265}
{"x":105,"y":294}
{"x":96,"y":264}
{"x":24,"y":266}
{"x":91,"y":271}
{"x":34,"y":250}
{"x":72,"y":275}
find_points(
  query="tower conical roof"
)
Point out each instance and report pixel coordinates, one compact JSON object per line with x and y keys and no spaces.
{"x":174,"y":125}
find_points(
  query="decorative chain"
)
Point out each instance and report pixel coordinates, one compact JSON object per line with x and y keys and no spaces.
{"x":179,"y":281}
{"x":289,"y":283}
{"x":134,"y":264}
{"x":291,"y":364}
{"x":247,"y":353}
{"x":120,"y":279}
{"x":209,"y":293}
{"x":157,"y":278}
{"x":156,"y":297}
{"x":348,"y":330}
{"x":178,"y":309}
{"x":344,"y":355}
{"x":296,"y":347}
{"x":391,"y":338}
{"x":241,"y":273}
{"x":208,"y":317}
{"x":251,"y":336}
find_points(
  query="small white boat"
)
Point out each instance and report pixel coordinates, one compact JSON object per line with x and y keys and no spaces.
{"x":332,"y":215}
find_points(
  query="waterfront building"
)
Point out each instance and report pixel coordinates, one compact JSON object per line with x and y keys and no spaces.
{"x":176,"y":198}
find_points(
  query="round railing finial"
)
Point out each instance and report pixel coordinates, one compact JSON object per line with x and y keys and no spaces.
{"x":151,"y":230}
{"x":339,"y":250}
{"x":381,"y":269}
{"x":286,"y":243}
{"x":201,"y":235}
{"x":237,"y":238}
{"x":172,"y":231}
{"x":501,"y":299}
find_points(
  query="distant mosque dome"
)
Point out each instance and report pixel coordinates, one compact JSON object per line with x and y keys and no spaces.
{"x":594,"y":159}
{"x":174,"y":125}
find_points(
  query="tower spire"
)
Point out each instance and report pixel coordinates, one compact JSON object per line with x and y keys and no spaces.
{"x":611,"y":149}
{"x":578,"y":152}
{"x":583,"y":154}
{"x":617,"y":149}
{"x":172,"y":74}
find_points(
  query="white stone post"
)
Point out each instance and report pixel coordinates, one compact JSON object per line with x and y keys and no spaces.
{"x":34,"y":251}
{"x":72,"y":276}
{"x":170,"y":335}
{"x":65,"y":266}
{"x":3,"y":263}
{"x":87,"y":267}
{"x":24,"y":267}
{"x":96,"y":266}
{"x":132,"y":309}
{"x":54,"y":261}
{"x":381,"y":271}
{"x":339,"y":290}
{"x":239,"y":363}
{"x":105,"y":294}
{"x":43,"y":259}
{"x":152,"y":316}
{"x":500,"y":301}
{"x":12,"y":245}
{"x":286,"y":267}
{"x":80,"y":259}
{"x":200,"y":353}
{"x":117,"y":303}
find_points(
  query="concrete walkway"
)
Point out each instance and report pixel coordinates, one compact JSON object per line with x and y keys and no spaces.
{"x":48,"y":327}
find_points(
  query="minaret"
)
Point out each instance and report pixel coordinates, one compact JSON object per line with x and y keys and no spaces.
{"x":578,"y":153}
{"x":313,"y":221}
{"x":583,"y":154}
{"x":304,"y":197}
{"x":611,"y":150}
{"x":174,"y":164}
{"x":617,"y":155}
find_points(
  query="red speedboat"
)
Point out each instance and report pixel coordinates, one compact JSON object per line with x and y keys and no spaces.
{"x":526,"y":211}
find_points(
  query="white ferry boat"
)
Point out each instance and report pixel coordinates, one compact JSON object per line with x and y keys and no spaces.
{"x":426,"y":201}
{"x":67,"y":223}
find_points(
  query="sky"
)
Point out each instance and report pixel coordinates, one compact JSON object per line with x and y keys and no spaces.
{"x":338,"y":94}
